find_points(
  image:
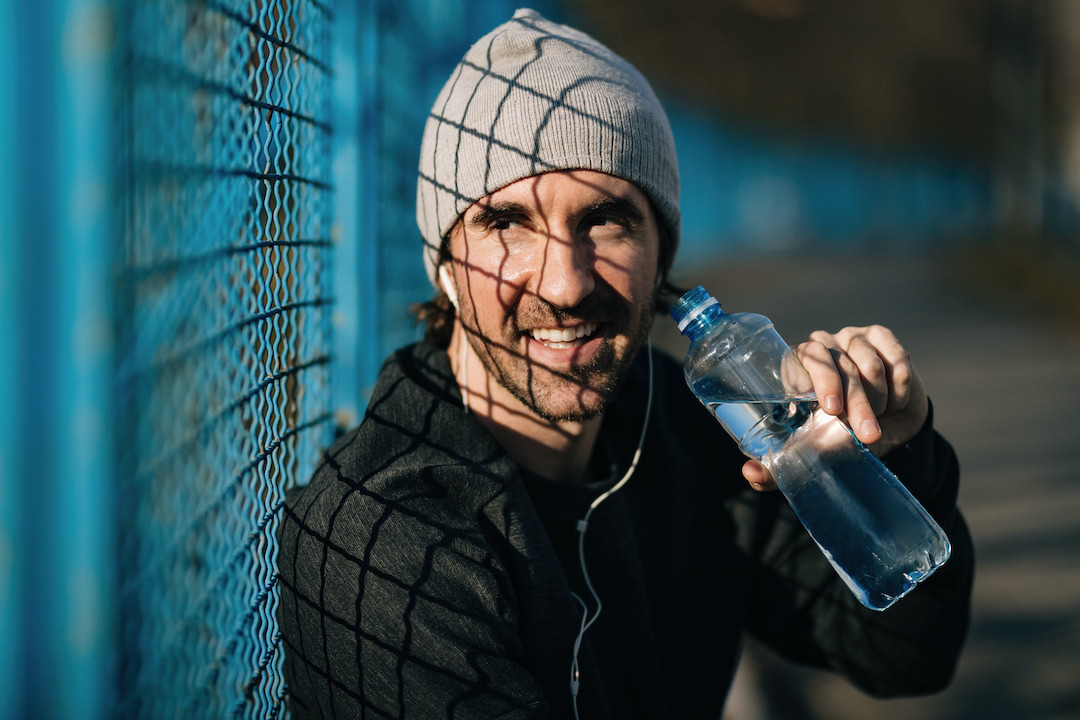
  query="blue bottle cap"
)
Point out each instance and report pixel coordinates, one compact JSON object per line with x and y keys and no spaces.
{"x":690,"y":305}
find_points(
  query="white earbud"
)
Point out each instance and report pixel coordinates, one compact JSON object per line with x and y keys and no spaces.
{"x":447,"y":283}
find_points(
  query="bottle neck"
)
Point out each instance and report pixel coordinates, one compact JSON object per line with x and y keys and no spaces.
{"x":703,"y":322}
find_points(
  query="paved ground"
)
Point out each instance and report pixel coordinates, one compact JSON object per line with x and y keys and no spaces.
{"x":1006,"y":388}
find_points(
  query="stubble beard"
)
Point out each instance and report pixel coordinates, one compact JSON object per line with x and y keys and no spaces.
{"x":540,"y":389}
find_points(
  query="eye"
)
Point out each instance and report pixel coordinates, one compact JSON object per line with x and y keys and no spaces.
{"x":607,"y":223}
{"x":505,"y":223}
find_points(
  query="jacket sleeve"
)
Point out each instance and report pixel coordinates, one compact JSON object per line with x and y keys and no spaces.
{"x":800,"y":607}
{"x":392,"y":607}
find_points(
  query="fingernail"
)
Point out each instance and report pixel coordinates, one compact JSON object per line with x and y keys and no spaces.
{"x":832,"y":404}
{"x":869,"y":427}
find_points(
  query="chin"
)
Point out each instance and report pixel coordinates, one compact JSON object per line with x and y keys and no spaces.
{"x":568,"y":403}
{"x":576,"y":412}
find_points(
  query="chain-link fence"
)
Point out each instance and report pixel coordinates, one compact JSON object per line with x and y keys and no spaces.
{"x":224,"y":305}
{"x":223,"y":340}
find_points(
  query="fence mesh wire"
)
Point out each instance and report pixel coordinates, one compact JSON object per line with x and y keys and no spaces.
{"x":223,"y":338}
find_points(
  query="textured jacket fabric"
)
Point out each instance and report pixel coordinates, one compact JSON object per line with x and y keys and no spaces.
{"x":423,"y":575}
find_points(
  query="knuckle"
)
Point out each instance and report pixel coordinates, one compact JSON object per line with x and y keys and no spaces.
{"x":902,"y":370}
{"x":815,"y":349}
{"x":901,"y":390}
{"x":873,"y":371}
{"x":887,"y":339}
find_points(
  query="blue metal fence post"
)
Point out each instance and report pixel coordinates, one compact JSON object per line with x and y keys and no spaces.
{"x":11,"y":502}
{"x":59,"y":259}
{"x":368,"y":227}
{"x":83,"y":474}
{"x":347,"y":169}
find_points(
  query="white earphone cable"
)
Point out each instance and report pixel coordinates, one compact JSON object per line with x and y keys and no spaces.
{"x":464,"y":371}
{"x":583,"y":525}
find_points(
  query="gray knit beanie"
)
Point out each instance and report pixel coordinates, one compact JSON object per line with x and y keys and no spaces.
{"x":533,"y":96}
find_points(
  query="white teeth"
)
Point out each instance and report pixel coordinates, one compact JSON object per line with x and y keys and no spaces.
{"x":563,"y":338}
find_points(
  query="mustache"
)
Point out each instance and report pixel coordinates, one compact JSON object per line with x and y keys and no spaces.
{"x":599,"y":306}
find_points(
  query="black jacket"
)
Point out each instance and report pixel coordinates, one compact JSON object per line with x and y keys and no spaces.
{"x":423,"y":576}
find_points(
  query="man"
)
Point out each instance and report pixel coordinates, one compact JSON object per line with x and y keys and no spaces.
{"x":436,"y":565}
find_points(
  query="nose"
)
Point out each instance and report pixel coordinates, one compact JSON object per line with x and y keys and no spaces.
{"x":565,"y":275}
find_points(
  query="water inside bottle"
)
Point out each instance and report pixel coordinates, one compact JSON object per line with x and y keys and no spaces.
{"x":855,"y":511}
{"x":878,"y":538}
{"x":761,"y":426}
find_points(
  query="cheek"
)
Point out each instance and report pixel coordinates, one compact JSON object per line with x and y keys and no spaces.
{"x":511,"y":284}
{"x":493,"y":285}
{"x":506,"y":270}
{"x":631,"y":271}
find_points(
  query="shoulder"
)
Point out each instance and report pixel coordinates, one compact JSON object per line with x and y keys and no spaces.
{"x":414,"y":421}
{"x":346,"y":537}
{"x":394,"y":576}
{"x":416,"y":457}
{"x":396,"y":520}
{"x":416,"y":473}
{"x":360,"y":491}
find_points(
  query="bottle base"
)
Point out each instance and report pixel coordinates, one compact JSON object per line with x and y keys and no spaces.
{"x":880,"y":596}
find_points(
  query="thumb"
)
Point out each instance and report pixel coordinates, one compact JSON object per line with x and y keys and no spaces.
{"x":758,"y":476}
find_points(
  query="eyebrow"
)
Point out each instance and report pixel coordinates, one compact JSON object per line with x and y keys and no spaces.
{"x":619,"y":205}
{"x":496,"y":210}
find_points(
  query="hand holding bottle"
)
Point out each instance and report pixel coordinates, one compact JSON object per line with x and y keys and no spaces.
{"x":865,"y":374}
{"x":780,"y":405}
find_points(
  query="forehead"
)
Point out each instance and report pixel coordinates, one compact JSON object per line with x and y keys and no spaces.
{"x":564,"y":188}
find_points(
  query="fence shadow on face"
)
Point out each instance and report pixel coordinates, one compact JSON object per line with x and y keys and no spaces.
{"x":472,"y":140}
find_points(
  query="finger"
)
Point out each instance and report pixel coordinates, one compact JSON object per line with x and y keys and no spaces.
{"x":820,"y":364}
{"x":898,"y":367}
{"x":873,"y":374}
{"x":793,"y":374}
{"x":758,"y":476}
{"x":860,"y":413}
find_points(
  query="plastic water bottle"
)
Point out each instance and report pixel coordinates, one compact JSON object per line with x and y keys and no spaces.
{"x":878,"y":537}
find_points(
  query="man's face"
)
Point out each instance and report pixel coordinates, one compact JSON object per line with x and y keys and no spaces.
{"x":555,"y":276}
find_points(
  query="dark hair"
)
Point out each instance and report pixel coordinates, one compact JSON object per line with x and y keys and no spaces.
{"x":438,"y":313}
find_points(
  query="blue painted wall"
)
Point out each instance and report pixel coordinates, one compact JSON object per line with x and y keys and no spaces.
{"x":744,"y":191}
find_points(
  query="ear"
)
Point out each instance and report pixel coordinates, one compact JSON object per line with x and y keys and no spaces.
{"x":447,"y":282}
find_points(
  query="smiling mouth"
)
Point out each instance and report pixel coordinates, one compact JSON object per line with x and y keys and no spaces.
{"x":564,"y":338}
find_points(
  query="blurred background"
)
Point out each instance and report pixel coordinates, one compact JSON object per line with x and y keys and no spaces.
{"x":208,"y":245}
